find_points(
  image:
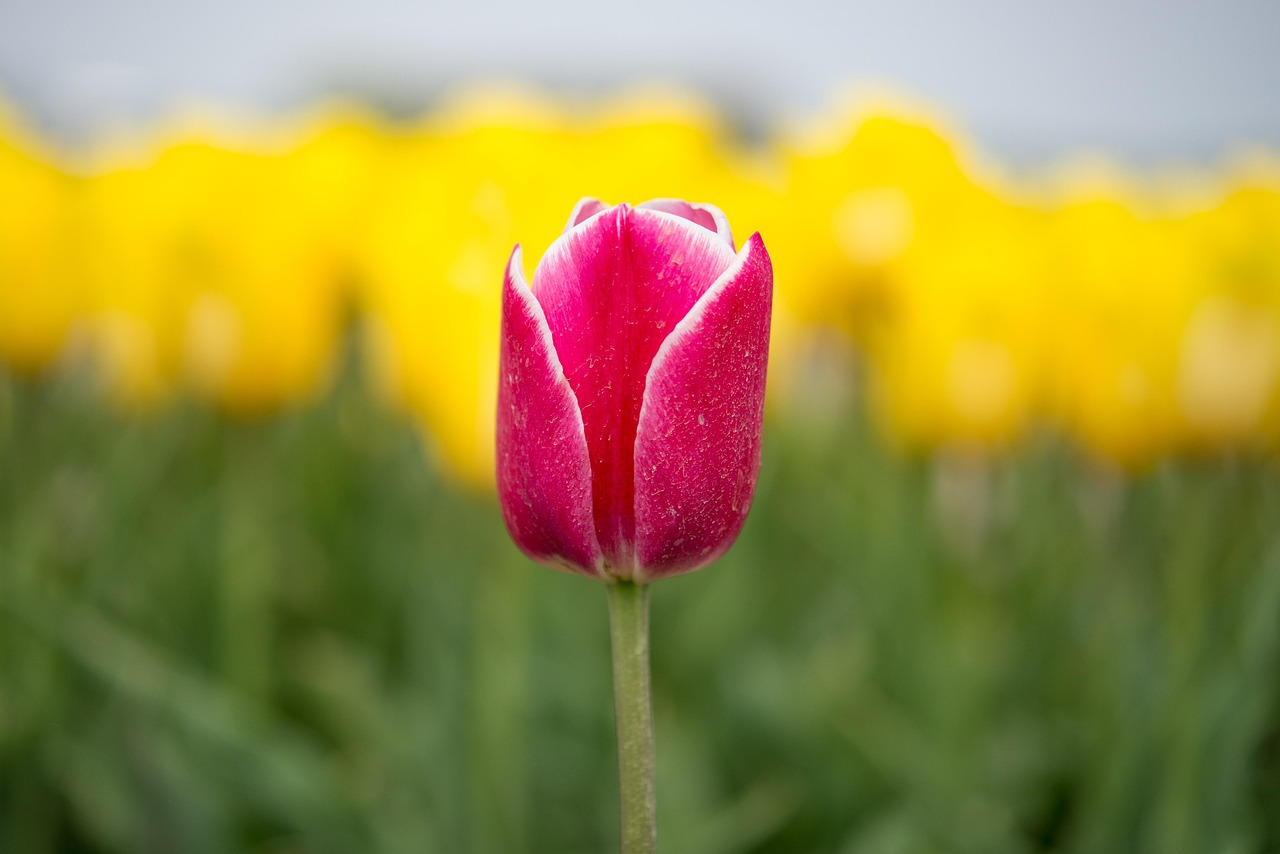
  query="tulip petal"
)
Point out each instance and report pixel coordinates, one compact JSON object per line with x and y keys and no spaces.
{"x":697,"y":452}
{"x":613,"y":288}
{"x":709,"y":217}
{"x":544,"y":471}
{"x":585,"y":210}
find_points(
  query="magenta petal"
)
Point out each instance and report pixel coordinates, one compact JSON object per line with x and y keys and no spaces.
{"x":613,"y":288}
{"x":585,"y":210}
{"x":697,"y":453}
{"x":709,"y":217}
{"x":544,"y":472}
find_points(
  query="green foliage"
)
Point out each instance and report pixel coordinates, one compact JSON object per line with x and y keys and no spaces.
{"x":295,"y":636}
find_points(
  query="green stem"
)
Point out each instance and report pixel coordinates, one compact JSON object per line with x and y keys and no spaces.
{"x":629,"y":619}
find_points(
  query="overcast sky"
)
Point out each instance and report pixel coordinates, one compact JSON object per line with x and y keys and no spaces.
{"x":1027,"y":77}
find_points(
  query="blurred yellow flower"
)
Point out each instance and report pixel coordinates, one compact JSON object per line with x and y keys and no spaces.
{"x":1119,"y":286}
{"x":39,"y":296}
{"x":1228,"y":378}
{"x":1142,"y":319}
{"x":210,"y":266}
{"x":960,"y":362}
{"x":859,"y":192}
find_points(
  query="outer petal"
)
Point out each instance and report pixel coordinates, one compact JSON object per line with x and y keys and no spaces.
{"x":698,"y":438}
{"x":613,"y":288}
{"x":544,"y":472}
{"x":709,"y":217}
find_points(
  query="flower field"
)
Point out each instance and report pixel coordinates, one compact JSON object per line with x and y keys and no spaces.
{"x":1011,"y":582}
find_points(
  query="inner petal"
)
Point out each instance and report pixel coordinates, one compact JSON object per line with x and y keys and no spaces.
{"x":709,"y":217}
{"x":612,"y":290}
{"x":584,"y":210}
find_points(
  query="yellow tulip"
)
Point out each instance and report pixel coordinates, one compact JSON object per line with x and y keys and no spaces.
{"x":39,"y":293}
{"x":1228,"y":381}
{"x":960,"y":363}
{"x":860,"y":193}
{"x":1120,"y":290}
{"x":209,"y":267}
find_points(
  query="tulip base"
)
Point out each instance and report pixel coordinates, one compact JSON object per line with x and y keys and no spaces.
{"x":629,"y":622}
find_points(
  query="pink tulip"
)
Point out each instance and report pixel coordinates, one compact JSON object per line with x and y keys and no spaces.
{"x":631,"y":392}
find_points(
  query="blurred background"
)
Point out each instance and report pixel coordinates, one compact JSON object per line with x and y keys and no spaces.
{"x":1012,"y":578}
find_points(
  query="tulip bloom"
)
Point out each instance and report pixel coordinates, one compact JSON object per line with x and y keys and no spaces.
{"x":631,"y":391}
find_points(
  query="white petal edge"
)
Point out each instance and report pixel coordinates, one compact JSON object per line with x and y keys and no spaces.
{"x":714,"y":242}
{"x":515,"y":269}
{"x":681,"y":329}
{"x":585,"y":209}
{"x":679,"y":333}
{"x":722,"y":222}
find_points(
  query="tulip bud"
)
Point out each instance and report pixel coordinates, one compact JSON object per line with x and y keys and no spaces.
{"x":631,"y":391}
